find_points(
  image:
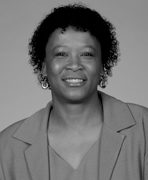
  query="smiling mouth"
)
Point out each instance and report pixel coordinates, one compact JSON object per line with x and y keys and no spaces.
{"x":74,"y":82}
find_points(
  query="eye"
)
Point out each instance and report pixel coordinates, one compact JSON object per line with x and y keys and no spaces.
{"x":87,"y":54}
{"x":61,"y":54}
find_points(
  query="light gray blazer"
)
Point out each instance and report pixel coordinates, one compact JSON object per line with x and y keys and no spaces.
{"x":123,"y":153}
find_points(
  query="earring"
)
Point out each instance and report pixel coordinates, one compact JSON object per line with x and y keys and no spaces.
{"x":45,"y":84}
{"x":102,"y":82}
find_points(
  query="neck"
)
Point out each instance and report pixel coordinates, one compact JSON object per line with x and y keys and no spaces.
{"x":70,"y":116}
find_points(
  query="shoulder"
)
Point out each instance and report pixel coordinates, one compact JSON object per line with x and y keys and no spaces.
{"x":7,"y":142}
{"x":138,"y":132}
{"x":114,"y":104}
{"x":140,"y":115}
{"x":139,"y":112}
{"x":126,"y":111}
{"x":7,"y":133}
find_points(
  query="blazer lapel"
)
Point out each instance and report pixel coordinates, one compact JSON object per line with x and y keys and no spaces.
{"x":33,"y":131}
{"x":111,"y":143}
{"x":37,"y":159}
{"x":117,"y":117}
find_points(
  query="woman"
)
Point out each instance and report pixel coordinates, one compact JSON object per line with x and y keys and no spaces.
{"x":82,"y":133}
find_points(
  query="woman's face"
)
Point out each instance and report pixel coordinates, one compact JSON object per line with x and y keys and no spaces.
{"x":73,"y":65}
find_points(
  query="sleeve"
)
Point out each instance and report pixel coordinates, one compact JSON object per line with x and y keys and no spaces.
{"x":1,"y":170}
{"x":146,"y":140}
{"x":1,"y":173}
{"x":146,"y":167}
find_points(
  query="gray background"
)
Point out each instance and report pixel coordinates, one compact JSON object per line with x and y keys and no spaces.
{"x":20,"y":95}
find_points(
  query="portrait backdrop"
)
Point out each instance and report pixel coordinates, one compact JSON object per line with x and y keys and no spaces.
{"x":20,"y":94}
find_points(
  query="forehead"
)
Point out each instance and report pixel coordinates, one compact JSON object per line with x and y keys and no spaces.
{"x":71,"y":36}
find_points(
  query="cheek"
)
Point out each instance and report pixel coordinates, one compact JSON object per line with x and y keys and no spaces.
{"x":55,"y":68}
{"x":94,"y":69}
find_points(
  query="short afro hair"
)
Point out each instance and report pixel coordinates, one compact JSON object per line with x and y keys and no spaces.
{"x":83,"y":19}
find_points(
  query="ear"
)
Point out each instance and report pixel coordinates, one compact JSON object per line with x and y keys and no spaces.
{"x":44,"y":69}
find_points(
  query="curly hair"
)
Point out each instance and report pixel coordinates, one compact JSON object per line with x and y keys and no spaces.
{"x":82,"y":19}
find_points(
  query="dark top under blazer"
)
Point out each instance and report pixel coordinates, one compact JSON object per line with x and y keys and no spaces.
{"x":123,"y":153}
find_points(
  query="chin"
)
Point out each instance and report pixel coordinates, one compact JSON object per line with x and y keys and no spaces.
{"x":75,"y":96}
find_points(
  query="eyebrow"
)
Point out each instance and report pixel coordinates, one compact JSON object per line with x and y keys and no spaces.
{"x":90,"y":46}
{"x":86,"y":46}
{"x":58,"y":46}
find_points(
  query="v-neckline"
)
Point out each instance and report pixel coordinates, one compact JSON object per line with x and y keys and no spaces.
{"x":60,"y":158}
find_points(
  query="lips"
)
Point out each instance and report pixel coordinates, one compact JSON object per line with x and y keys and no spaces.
{"x":74,"y":77}
{"x":74,"y":81}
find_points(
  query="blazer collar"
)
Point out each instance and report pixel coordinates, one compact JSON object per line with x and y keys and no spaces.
{"x":34,"y":126}
{"x":117,"y":116}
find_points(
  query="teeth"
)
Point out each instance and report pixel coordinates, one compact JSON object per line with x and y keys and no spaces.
{"x":74,"y":80}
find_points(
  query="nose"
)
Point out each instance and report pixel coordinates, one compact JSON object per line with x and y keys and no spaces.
{"x":74,"y":63}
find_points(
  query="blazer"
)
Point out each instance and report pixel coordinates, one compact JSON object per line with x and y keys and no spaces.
{"x":123,"y":151}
